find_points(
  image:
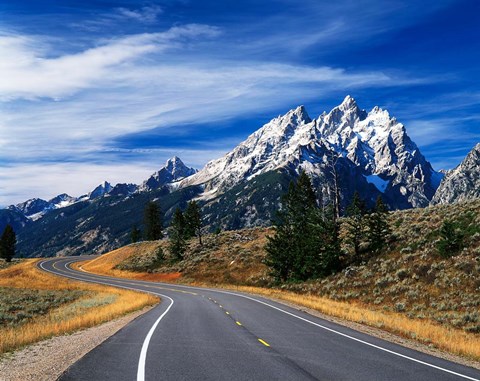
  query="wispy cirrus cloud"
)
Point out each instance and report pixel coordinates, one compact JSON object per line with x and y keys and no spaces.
{"x":147,"y":14}
{"x":31,"y":73}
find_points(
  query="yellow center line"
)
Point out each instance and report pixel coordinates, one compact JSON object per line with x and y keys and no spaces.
{"x":264,"y":342}
{"x":238,"y":323}
{"x":228,"y":313}
{"x":220,"y":306}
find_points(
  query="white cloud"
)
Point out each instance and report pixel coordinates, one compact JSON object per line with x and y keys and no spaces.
{"x":29,"y":73}
{"x":146,"y":14}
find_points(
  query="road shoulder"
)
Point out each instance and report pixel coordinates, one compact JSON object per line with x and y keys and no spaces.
{"x":48,"y":359}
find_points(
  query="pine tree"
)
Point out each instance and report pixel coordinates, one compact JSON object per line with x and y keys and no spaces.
{"x":7,"y":243}
{"x":153,"y":222}
{"x":135,"y":234}
{"x":177,"y":245}
{"x":356,"y":226}
{"x":331,"y":243}
{"x":378,"y":230}
{"x":451,"y":239}
{"x":292,"y":252}
{"x":193,"y":221}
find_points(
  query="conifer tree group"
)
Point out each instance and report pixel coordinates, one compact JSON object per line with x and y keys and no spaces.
{"x":184,"y":226}
{"x":306,"y":243}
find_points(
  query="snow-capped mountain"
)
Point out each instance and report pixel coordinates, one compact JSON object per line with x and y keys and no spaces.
{"x":33,"y":206}
{"x":374,"y":143}
{"x":36,"y":208}
{"x":100,"y":190}
{"x":380,"y":145}
{"x":174,"y":170}
{"x":62,"y":200}
{"x":461,"y":183}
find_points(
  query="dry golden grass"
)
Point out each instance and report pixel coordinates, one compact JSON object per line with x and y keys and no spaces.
{"x":106,"y":263}
{"x":99,"y":305}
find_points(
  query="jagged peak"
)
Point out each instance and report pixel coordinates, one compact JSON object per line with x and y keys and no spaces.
{"x":174,"y":159}
{"x":177,"y":167}
{"x":105,"y":184}
{"x":348,"y":103}
{"x":297,"y":116}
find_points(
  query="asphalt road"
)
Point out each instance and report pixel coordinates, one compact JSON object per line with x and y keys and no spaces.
{"x":209,"y":334}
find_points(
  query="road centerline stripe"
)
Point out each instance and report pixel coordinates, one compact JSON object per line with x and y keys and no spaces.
{"x":264,"y":342}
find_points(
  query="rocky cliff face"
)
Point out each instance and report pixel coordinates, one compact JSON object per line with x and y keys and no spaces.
{"x":461,"y":183}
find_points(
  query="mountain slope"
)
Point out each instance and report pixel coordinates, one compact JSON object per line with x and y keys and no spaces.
{"x":461,"y":183}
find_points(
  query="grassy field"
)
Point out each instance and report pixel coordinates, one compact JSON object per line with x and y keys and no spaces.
{"x":409,"y":290}
{"x":35,"y":305}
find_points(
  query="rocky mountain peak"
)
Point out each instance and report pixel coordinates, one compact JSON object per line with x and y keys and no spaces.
{"x":461,"y":183}
{"x":177,"y":168}
{"x":100,"y":190}
{"x":173,"y":170}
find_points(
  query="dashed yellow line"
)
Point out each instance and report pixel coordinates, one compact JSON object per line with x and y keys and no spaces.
{"x":264,"y":342}
{"x":228,"y":313}
{"x":238,"y":323}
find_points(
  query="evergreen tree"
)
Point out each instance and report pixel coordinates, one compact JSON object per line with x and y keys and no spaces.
{"x":177,"y":245}
{"x":153,"y":222}
{"x":451,"y":239}
{"x":306,"y":243}
{"x":135,"y":234}
{"x":356,"y":226}
{"x":378,"y":230}
{"x":193,"y":221}
{"x":330,"y":242}
{"x":7,"y":243}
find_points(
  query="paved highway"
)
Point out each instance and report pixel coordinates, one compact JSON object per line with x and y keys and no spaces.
{"x":209,"y":334}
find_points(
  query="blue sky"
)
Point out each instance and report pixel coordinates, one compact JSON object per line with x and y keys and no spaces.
{"x":108,"y":90}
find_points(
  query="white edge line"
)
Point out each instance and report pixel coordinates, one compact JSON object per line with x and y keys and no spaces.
{"x":328,"y":329}
{"x":143,"y":353}
{"x":146,"y":342}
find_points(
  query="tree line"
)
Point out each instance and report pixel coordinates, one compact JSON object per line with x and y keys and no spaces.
{"x":307,"y":244}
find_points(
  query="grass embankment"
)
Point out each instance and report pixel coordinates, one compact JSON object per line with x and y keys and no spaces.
{"x":35,"y":305}
{"x":409,"y":290}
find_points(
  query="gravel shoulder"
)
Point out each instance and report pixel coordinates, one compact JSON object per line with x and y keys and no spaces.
{"x":48,"y":359}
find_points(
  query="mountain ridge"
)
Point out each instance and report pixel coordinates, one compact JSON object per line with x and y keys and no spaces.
{"x":345,"y":150}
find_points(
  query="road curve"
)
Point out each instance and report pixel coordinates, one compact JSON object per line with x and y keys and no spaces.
{"x":209,"y":334}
